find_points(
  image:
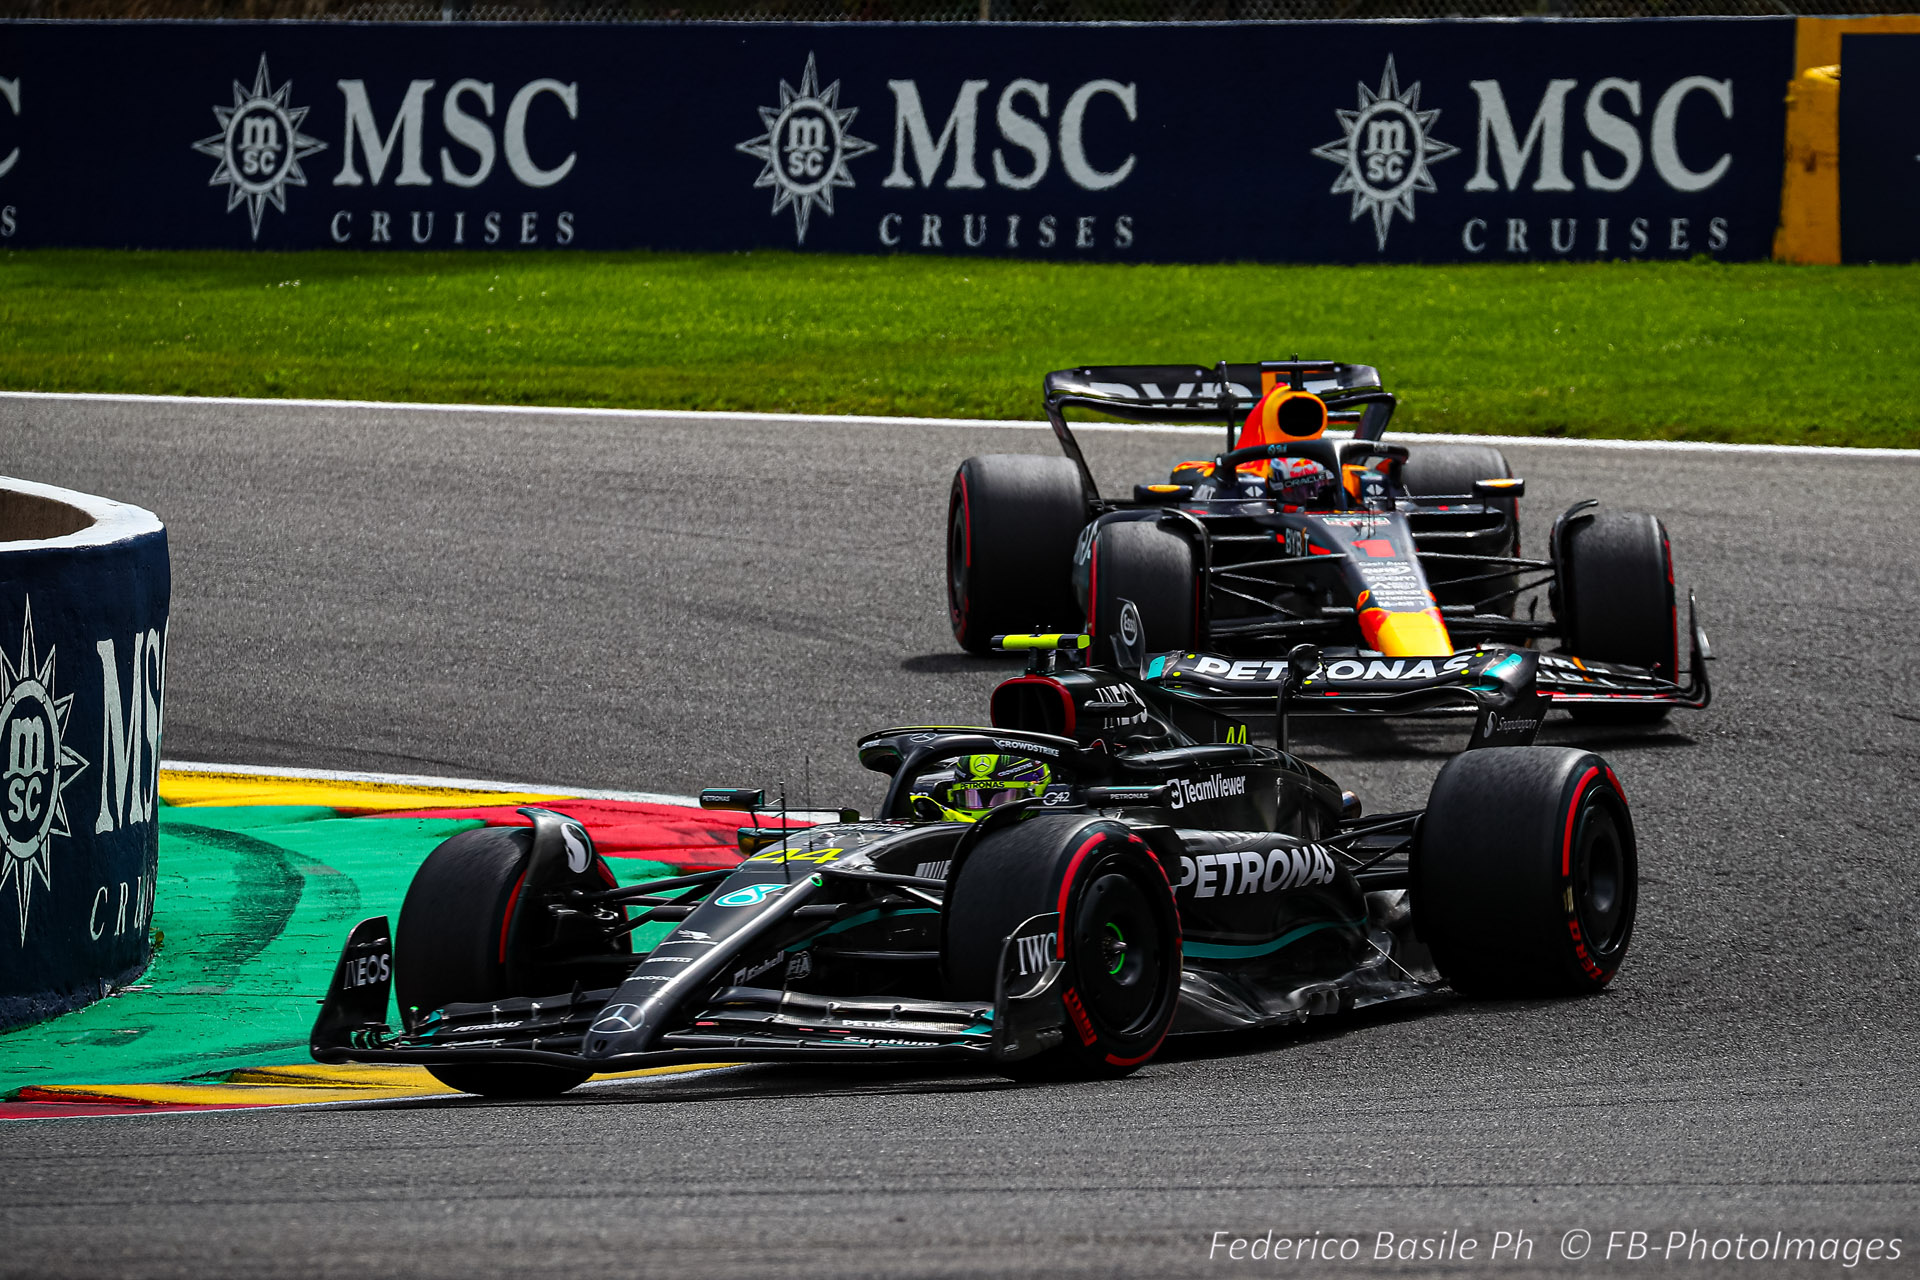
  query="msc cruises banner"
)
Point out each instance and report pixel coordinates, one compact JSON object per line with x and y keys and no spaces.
{"x":1339,"y":142}
{"x":83,"y":644}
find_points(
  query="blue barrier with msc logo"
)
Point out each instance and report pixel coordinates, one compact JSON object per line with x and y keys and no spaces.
{"x":1311,"y":142}
{"x":84,"y":588}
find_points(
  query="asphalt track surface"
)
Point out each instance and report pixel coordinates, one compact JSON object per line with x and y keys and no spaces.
{"x":666,"y":605}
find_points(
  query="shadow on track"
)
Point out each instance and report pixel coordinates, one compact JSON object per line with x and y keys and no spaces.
{"x":763,"y":1082}
{"x":944,"y":664}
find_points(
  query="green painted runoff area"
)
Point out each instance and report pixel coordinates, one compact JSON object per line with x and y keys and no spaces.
{"x":1756,"y":352}
{"x":251,"y":909}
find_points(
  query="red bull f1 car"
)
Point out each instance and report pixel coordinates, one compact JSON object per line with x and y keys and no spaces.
{"x":1398,"y":563}
{"x":1108,"y":862}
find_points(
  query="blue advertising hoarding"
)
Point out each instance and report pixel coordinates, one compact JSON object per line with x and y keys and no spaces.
{"x":1879,"y":149}
{"x":1325,"y":142}
{"x":83,"y":635}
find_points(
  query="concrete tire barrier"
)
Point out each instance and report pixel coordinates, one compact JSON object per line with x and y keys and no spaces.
{"x":84,"y":591}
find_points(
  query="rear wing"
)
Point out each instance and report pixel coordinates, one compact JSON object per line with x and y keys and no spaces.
{"x":1225,"y":394}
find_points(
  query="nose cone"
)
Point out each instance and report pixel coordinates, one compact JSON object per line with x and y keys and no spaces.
{"x":1407,"y":635}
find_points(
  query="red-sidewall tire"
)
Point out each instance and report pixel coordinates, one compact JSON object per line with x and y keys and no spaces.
{"x":1526,"y":873}
{"x":1119,"y":936}
{"x":1012,"y":522}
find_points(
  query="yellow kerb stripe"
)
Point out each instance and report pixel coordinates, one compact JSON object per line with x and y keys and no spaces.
{"x":298,"y":1083}
{"x":195,"y":788}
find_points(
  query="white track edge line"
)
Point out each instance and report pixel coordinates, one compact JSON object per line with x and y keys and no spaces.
{"x":830,"y":419}
{"x":428,"y":781}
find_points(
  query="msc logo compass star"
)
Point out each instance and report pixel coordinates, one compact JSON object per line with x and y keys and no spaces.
{"x":259,"y":147}
{"x":39,"y":767}
{"x":806,"y":148}
{"x":1386,"y":151}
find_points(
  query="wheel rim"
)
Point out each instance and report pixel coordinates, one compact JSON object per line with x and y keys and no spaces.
{"x":1602,"y":877}
{"x":1121,"y":970}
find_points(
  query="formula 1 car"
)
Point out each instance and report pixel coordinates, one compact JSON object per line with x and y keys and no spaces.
{"x":1370,"y":550}
{"x":1049,"y":896}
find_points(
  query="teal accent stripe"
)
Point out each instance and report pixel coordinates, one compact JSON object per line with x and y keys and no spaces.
{"x":1222,"y":951}
{"x":865,"y":917}
{"x":1155,"y":667}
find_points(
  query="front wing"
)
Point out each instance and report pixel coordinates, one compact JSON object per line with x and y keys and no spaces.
{"x":1495,"y":681}
{"x":1569,"y":681}
{"x":735,"y":1024}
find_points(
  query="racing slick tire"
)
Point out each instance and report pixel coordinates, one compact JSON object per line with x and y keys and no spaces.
{"x":450,"y":948}
{"x":1447,"y":470}
{"x":1120,"y":938}
{"x":1617,"y":603}
{"x":1525,"y":875}
{"x":1012,"y":522}
{"x":1141,"y":561}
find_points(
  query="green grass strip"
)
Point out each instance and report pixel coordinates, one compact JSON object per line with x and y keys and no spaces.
{"x":252,"y":907}
{"x":1701,"y":351}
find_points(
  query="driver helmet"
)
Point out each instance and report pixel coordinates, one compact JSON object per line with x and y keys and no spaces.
{"x":1299,"y":482}
{"x":1282,"y":416}
{"x":981,"y":783}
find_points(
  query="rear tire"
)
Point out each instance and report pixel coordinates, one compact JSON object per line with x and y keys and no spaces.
{"x":1617,"y":603}
{"x":1525,"y":875}
{"x":450,"y":949}
{"x":1119,"y":937}
{"x":1138,"y":560}
{"x":1012,"y":522}
{"x":1449,"y":470}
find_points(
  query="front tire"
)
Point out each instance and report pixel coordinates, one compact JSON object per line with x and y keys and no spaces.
{"x":1617,"y":601}
{"x":451,"y":948}
{"x":1119,"y":935}
{"x":1012,"y":522}
{"x":1526,"y":875}
{"x":1152,"y":566}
